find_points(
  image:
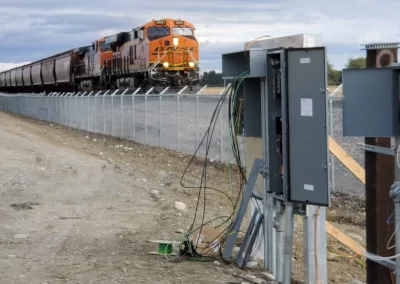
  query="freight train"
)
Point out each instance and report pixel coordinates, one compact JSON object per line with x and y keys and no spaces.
{"x":159,"y":53}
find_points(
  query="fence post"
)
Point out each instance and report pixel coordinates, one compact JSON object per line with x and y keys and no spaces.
{"x":104,"y":111}
{"x":81,"y":111}
{"x":145,"y":114}
{"x":112,"y":112}
{"x":221,"y":136}
{"x":205,"y":86}
{"x":197,"y":121}
{"x":122,"y":113}
{"x":160,"y":117}
{"x":133,"y":114}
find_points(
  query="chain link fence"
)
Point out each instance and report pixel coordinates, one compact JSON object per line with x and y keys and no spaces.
{"x":173,"y":121}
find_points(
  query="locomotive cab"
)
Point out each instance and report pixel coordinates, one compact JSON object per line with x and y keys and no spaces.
{"x":173,"y":52}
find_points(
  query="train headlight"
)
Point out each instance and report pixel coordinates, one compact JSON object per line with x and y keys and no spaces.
{"x":165,"y":64}
{"x":175,"y":41}
{"x":191,"y":64}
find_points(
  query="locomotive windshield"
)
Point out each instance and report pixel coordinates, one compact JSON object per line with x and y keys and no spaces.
{"x":186,"y":32}
{"x":156,"y":33}
{"x":105,"y":47}
{"x":182,"y":31}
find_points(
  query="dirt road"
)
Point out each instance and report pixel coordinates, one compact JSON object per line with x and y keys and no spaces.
{"x":89,"y":218}
{"x":78,"y":208}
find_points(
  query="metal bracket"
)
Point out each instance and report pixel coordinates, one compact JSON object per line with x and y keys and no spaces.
{"x":377,"y":149}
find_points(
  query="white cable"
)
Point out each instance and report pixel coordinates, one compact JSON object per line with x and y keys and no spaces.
{"x":397,"y":156}
{"x":394,"y":233}
{"x":377,"y":257}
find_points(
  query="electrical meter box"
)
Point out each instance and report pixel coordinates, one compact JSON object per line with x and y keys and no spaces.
{"x":371,"y":102}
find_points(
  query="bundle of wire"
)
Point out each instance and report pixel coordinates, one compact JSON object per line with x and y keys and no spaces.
{"x":233,"y":111}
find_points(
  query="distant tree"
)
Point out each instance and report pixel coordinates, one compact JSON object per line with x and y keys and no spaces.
{"x":334,"y":76}
{"x":360,"y":62}
{"x":212,"y":78}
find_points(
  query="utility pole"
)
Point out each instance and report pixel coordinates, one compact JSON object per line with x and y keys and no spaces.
{"x":379,"y":173}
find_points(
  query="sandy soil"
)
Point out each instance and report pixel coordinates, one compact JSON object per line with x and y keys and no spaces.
{"x":91,"y":211}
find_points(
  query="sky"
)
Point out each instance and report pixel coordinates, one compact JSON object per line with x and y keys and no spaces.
{"x":34,"y":29}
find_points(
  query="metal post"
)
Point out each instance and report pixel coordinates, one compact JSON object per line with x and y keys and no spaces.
{"x":104,"y":111}
{"x":397,"y":220}
{"x":112,"y":112}
{"x":122,"y":113}
{"x":160,"y":117}
{"x":395,"y":195}
{"x":205,"y":86}
{"x":288,"y":244}
{"x":177,"y":120}
{"x":278,"y":225}
{"x":331,"y":133}
{"x":314,"y":247}
{"x":81,"y":112}
{"x":88,"y":110}
{"x":133,"y":114}
{"x":163,"y":91}
{"x":145,"y":115}
{"x":221,"y":136}
{"x":197,"y":121}
{"x":265,"y":149}
{"x":181,"y":91}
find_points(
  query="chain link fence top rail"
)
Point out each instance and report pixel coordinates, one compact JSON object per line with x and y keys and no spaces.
{"x":172,"y":121}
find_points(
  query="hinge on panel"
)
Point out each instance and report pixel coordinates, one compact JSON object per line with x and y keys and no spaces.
{"x":377,"y":149}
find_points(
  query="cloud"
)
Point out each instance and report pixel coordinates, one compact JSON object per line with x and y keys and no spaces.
{"x":7,"y":66}
{"x":31,"y":30}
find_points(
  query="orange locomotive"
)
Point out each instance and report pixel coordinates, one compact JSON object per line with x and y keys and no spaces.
{"x":159,"y":53}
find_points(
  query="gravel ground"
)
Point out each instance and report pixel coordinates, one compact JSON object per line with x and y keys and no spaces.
{"x":79,"y":207}
{"x":345,"y":181}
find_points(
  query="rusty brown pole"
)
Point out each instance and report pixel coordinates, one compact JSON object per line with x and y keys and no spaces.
{"x":379,"y":171}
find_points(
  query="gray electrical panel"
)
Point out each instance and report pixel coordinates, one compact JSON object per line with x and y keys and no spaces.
{"x":308,"y":139}
{"x":285,"y":103}
{"x":371,"y":102}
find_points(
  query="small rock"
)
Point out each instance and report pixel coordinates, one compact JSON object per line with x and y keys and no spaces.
{"x":188,"y":191}
{"x":236,"y":249}
{"x":116,"y":146}
{"x":180,"y":205}
{"x":180,"y":231}
{"x":126,"y":148}
{"x":130,"y":149}
{"x":251,"y":264}
{"x":268,"y":276}
{"x":155,"y":194}
{"x":140,"y":155}
{"x":39,"y":160}
{"x":162,"y":174}
{"x":121,"y":146}
{"x":11,"y":256}
{"x":20,"y":236}
{"x":331,"y":257}
{"x":143,"y":179}
{"x":355,"y":236}
{"x":101,"y":153}
{"x":216,"y":262}
{"x":87,"y":137}
{"x":355,"y":281}
{"x":94,"y":140}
